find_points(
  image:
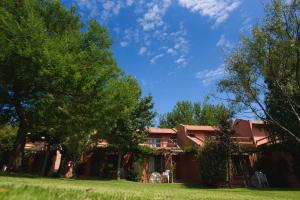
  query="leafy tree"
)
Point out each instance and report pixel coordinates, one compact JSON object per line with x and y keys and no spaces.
{"x":183,"y":113}
{"x":132,"y":116}
{"x":186,"y":112}
{"x":224,"y":136}
{"x":213,"y":159}
{"x":264,"y":70}
{"x":214,"y":114}
{"x":54,"y":73}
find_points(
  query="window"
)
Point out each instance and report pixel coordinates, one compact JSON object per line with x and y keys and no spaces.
{"x":240,"y":165}
{"x":154,"y":142}
{"x":237,"y":166}
{"x":155,"y":164}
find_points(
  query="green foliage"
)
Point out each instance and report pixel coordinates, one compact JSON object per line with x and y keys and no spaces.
{"x":59,"y":80}
{"x":277,"y":166}
{"x":191,"y":149}
{"x":279,"y":161}
{"x":183,"y":113}
{"x":186,"y":112}
{"x":8,"y":134}
{"x":264,"y":70}
{"x":132,"y":115}
{"x":136,"y":172}
{"x":7,"y":137}
{"x":212,"y":159}
{"x":213,"y":115}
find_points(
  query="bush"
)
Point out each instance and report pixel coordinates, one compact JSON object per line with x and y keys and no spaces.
{"x":136,"y":174}
{"x":213,"y":163}
{"x":277,"y":165}
{"x":7,"y":139}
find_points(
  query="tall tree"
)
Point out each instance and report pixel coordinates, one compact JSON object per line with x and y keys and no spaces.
{"x":186,"y":112}
{"x":214,"y":114}
{"x":53,"y":74}
{"x":264,"y":69}
{"x":132,"y":116}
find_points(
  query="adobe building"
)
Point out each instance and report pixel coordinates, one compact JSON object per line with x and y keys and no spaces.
{"x":170,"y":147}
{"x":248,"y":133}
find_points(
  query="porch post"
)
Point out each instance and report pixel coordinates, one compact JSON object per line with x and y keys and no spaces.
{"x":119,"y":166}
{"x":229,"y":170}
{"x":172,"y":169}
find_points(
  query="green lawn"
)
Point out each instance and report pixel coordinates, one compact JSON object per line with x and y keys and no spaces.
{"x":43,"y":188}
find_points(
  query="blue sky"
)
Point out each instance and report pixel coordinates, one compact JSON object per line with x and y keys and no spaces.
{"x":174,"y":48}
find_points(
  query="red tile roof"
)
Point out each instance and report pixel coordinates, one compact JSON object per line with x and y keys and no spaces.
{"x":257,"y":122}
{"x":162,"y":130}
{"x":200,"y":128}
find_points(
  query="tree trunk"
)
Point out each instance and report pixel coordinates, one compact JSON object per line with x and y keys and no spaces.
{"x":245,"y":173}
{"x":229,"y":171}
{"x":119,"y":166}
{"x":17,"y":158}
{"x":43,"y":171}
{"x":16,"y":161}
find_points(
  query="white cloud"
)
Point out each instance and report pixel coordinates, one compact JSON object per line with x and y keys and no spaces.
{"x":218,"y":10}
{"x":129,"y":36}
{"x":181,"y":62}
{"x":89,"y":5}
{"x":288,"y":1}
{"x":144,"y":82}
{"x":208,"y":76}
{"x":129,"y":2}
{"x":247,"y":24}
{"x":123,"y":44}
{"x":181,"y":46}
{"x":100,"y":8}
{"x":151,"y":29}
{"x":110,"y":8}
{"x":224,"y":43}
{"x":155,"y":58}
{"x":142,"y":50}
{"x":152,"y":19}
{"x":148,"y":84}
{"x":171,"y":51}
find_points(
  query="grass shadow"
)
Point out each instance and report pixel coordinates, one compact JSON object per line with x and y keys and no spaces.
{"x":37,"y":176}
{"x":199,"y":186}
{"x":286,"y":189}
{"x":195,"y":186}
{"x":20,"y":174}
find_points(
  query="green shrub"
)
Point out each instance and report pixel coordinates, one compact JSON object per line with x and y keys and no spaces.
{"x":212,"y":161}
{"x":7,"y":139}
{"x":279,"y":162}
{"x":136,"y":173}
{"x":277,"y":166}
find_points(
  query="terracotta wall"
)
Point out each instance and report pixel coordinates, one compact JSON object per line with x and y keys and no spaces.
{"x":186,"y":168}
{"x":243,"y":128}
{"x":165,"y":139}
{"x":181,"y":137}
{"x":260,"y":134}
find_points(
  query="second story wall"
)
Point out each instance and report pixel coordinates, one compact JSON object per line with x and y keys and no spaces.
{"x":189,"y":135}
{"x":260,"y":133}
{"x":161,"y":138}
{"x":248,"y":133}
{"x":254,"y":130}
